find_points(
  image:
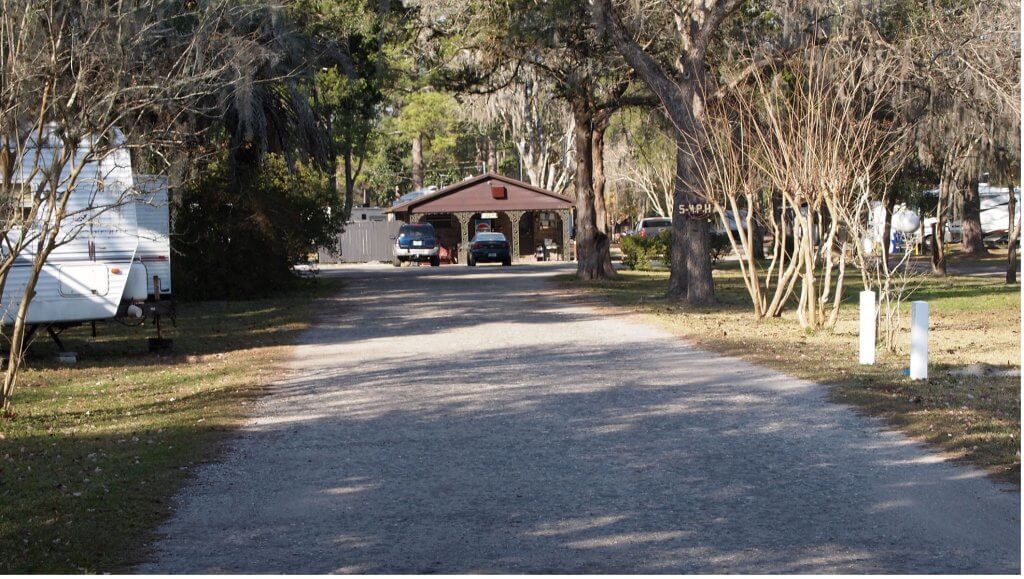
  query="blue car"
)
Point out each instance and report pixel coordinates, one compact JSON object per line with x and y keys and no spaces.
{"x":489,"y":247}
{"x":417,"y":242}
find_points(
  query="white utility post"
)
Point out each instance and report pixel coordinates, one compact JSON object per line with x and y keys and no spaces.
{"x":919,"y":340}
{"x":867,"y":327}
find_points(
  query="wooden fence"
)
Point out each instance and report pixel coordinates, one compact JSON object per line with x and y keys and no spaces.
{"x":364,"y":241}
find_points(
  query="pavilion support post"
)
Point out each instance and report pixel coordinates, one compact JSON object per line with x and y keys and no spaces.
{"x":565,"y":215}
{"x":515,"y":217}
{"x":464,"y":218}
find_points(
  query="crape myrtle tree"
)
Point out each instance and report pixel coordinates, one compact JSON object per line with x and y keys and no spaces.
{"x":83,"y":79}
{"x":810,"y":130}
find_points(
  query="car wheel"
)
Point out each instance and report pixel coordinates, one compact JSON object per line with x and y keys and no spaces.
{"x":470,"y":262}
{"x":435,"y":261}
{"x":396,"y":262}
{"x":506,"y":262}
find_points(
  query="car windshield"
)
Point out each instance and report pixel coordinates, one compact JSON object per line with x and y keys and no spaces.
{"x":490,"y":237}
{"x":657,"y":223}
{"x":417,"y":231}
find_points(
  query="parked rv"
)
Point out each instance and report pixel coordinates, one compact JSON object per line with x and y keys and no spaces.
{"x":994,"y":216}
{"x":115,"y":257}
{"x":84,"y":278}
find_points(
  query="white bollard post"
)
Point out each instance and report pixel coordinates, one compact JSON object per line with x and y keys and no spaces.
{"x":919,"y":340}
{"x":867,"y":327}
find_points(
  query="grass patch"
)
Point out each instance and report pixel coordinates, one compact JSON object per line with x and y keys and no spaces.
{"x":973,"y":320}
{"x":93,"y":453}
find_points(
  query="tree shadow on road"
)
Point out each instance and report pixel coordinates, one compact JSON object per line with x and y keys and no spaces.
{"x":565,"y":458}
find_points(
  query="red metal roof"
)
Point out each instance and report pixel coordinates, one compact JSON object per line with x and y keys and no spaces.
{"x":474,"y":194}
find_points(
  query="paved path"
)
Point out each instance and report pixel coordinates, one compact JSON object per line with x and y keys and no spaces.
{"x":457,"y":420}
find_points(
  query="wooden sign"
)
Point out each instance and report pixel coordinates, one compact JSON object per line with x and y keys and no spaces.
{"x":696,"y":209}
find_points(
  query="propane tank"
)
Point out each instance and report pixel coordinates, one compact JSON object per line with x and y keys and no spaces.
{"x":136,"y":288}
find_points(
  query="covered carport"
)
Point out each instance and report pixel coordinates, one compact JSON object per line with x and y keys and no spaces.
{"x":528,"y":216}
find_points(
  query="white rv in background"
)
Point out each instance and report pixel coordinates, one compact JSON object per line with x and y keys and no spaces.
{"x":995,"y":208}
{"x":994,"y":216}
{"x":116,"y":246}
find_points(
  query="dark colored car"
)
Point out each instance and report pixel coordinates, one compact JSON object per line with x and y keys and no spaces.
{"x":489,"y":247}
{"x":417,"y":242}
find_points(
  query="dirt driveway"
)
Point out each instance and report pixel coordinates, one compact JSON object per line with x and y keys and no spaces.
{"x":466,"y":420}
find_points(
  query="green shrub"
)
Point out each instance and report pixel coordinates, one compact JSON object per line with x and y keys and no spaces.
{"x":238,"y":237}
{"x":637,"y":252}
{"x":719,"y":246}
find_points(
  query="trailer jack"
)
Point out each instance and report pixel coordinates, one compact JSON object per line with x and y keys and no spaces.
{"x":159,"y":344}
{"x":55,"y":336}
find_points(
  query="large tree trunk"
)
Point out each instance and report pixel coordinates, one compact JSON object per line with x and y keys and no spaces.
{"x":1013,"y":234}
{"x":601,"y":214}
{"x":681,"y":95}
{"x":700,"y":287}
{"x":973,"y":241}
{"x":417,"y":162}
{"x":593,"y":255}
{"x":696,"y":238}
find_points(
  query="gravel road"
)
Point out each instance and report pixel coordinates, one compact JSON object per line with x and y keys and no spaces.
{"x":454,"y":420}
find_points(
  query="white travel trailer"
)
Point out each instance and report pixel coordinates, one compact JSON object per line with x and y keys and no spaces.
{"x":995,"y":216}
{"x":84,"y":278}
{"x":114,"y":259}
{"x":995,"y":208}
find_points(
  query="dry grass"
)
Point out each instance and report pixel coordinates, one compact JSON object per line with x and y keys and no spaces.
{"x":94,"y":452}
{"x":973,"y":321}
